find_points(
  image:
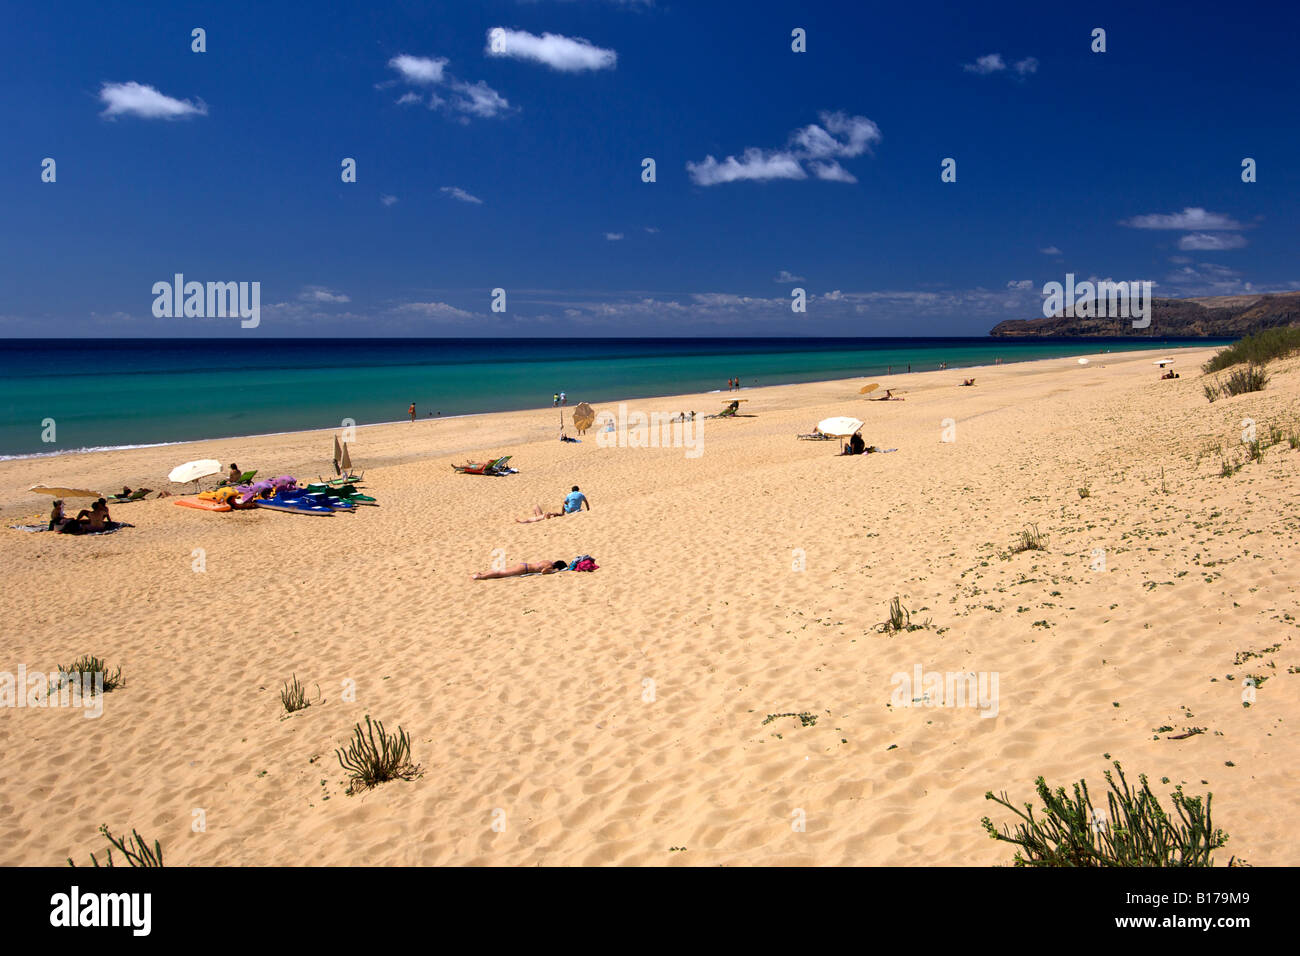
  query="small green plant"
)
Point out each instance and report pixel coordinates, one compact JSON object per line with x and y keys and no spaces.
{"x":1255,"y":451}
{"x":137,"y":852}
{"x":1030,"y":539}
{"x":1252,"y":378}
{"x":370,"y":762}
{"x":1212,"y":390}
{"x":294,"y":696}
{"x":84,"y":669}
{"x":1137,"y":831}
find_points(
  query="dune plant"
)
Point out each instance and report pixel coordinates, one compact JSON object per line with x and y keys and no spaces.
{"x":1212,"y":390}
{"x":85,"y":668}
{"x":136,"y":853}
{"x":294,"y":696}
{"x":1136,"y":830}
{"x":1257,"y":349}
{"x":1085,"y":491}
{"x":370,"y":761}
{"x":1252,"y":378}
{"x":1030,"y":539}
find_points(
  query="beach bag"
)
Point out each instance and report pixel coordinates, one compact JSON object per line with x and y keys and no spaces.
{"x":583,"y":562}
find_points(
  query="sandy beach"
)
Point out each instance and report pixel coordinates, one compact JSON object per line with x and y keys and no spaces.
{"x":621,"y":716}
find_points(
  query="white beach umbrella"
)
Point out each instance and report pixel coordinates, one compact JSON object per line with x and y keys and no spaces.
{"x":1083,"y":361}
{"x":840,"y":427}
{"x":194,"y":470}
{"x":1163,"y":362}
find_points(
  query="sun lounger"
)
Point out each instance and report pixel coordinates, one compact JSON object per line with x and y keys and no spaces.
{"x":137,"y":495}
{"x":817,"y":436}
{"x":497,"y":466}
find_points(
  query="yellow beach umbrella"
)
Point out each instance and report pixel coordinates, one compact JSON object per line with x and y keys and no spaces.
{"x":65,"y":492}
{"x":866,"y":389}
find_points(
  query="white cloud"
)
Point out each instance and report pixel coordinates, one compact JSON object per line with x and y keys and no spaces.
{"x":1209,"y":242}
{"x":455,"y":192}
{"x":1193,"y":217}
{"x":463,"y":99}
{"x":419,"y":70}
{"x":786,"y":276}
{"x":435,"y":310}
{"x":566,"y":54}
{"x":321,"y":295}
{"x":818,"y":145}
{"x":1020,"y":284}
{"x":478,"y":99}
{"x":613,"y":236}
{"x":754,"y":164}
{"x":832,"y":172}
{"x":388,"y":200}
{"x":985,"y":65}
{"x":1028,"y":65}
{"x":1050,"y":251}
{"x":651,"y":229}
{"x":136,"y":99}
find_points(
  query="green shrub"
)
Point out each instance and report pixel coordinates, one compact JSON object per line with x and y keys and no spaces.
{"x":84,"y":669}
{"x":1257,"y":349}
{"x":1252,"y":378}
{"x":370,"y":762}
{"x":1137,"y":831}
{"x":294,"y":696}
{"x":137,"y":852}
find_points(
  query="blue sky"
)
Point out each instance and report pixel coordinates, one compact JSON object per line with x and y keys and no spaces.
{"x":522,"y":170}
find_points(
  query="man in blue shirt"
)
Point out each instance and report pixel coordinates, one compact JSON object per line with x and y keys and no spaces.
{"x":574,"y":501}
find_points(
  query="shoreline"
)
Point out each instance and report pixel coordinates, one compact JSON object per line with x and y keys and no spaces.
{"x":303,"y":432}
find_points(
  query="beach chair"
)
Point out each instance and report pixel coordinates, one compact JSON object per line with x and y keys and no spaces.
{"x":137,"y":495}
{"x":497,"y":466}
{"x":816,"y":436}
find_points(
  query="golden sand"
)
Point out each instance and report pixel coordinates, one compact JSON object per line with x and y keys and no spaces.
{"x":616,"y":716}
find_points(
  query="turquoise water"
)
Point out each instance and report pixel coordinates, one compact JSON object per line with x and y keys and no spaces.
{"x":123,"y":392}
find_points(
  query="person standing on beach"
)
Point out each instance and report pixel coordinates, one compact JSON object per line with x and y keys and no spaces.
{"x":564,"y":399}
{"x":555,"y":400}
{"x":411,"y":411}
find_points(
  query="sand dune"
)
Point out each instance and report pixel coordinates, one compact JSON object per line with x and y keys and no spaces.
{"x":530,"y":700}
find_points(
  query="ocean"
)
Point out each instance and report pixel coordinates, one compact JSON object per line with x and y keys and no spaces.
{"x":126,"y":392}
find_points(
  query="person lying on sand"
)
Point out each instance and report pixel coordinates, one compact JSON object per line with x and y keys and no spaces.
{"x":889,"y":396}
{"x":969,"y":381}
{"x":539,"y":515}
{"x":524,"y":567}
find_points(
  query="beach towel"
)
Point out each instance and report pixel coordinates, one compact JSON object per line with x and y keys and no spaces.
{"x":583,"y":562}
{"x":113,"y":527}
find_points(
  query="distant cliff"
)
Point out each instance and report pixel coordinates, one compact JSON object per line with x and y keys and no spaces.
{"x":1213,"y":317}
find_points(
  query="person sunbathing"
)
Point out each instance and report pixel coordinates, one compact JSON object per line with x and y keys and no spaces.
{"x":969,"y":381}
{"x":539,"y":515}
{"x":57,"y":517}
{"x":522,"y":568}
{"x":889,"y":396}
{"x":856,"y":445}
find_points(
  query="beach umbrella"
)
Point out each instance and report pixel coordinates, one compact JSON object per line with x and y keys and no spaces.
{"x":1083,"y":361}
{"x":583,"y":417}
{"x":840,"y":427}
{"x":865,"y":389}
{"x":65,"y":492}
{"x":1163,"y":362}
{"x":194,"y":470}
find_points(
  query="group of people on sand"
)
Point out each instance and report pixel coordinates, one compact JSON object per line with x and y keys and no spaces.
{"x":574,"y":502}
{"x":1169,"y":374}
{"x":88,"y":520}
{"x":733,"y":384}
